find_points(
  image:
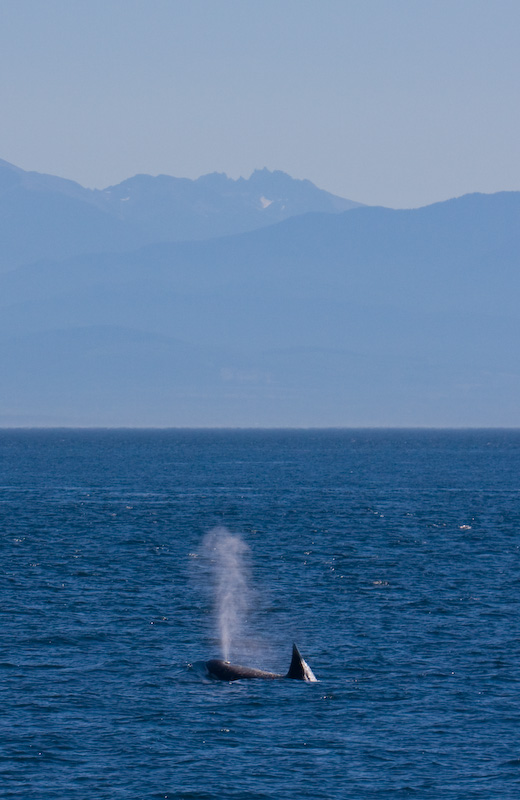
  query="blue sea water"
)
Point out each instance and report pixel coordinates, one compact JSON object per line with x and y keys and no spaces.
{"x":390,"y":557}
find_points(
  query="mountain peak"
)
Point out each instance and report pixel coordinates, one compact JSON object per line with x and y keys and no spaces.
{"x":144,"y":209}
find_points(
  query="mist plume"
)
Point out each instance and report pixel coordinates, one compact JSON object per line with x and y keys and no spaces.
{"x":225,"y":552}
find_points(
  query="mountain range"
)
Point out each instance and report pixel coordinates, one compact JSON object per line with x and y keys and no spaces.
{"x":43,"y":216}
{"x":326,"y":313}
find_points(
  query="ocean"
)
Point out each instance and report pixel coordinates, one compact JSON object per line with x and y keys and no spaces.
{"x":391,"y":558}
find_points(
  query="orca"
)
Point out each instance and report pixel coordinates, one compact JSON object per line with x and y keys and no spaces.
{"x":224,"y":671}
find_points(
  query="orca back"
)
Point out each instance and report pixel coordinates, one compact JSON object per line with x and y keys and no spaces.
{"x":224,"y":671}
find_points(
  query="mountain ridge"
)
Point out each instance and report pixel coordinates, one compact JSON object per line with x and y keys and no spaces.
{"x":370,"y":317}
{"x":67,"y":219}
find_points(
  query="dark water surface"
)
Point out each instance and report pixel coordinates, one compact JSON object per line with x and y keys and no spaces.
{"x":391,"y":558}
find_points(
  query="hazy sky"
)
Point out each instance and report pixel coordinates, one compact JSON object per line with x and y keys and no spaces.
{"x":392,"y":102}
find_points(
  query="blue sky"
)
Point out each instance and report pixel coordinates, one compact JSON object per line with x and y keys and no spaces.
{"x":392,"y":102}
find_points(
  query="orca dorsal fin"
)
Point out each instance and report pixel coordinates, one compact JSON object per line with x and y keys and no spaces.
{"x":299,"y":669}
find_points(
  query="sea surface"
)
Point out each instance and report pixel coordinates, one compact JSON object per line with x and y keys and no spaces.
{"x":390,"y":557}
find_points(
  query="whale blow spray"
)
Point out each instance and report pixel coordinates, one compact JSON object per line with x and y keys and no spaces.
{"x":226,"y":553}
